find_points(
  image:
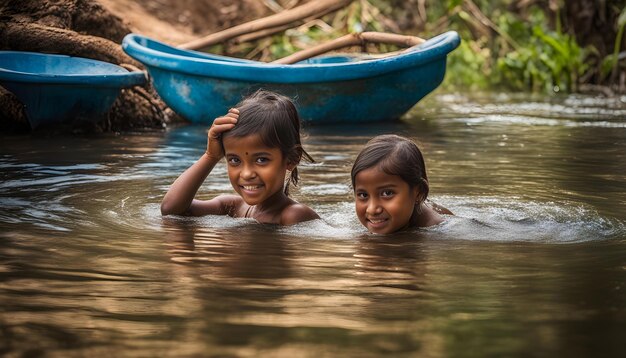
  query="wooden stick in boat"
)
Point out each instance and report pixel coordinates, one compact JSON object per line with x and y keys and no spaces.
{"x":356,"y":39}
{"x":317,"y":8}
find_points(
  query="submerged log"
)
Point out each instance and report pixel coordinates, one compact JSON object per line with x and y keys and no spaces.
{"x":80,"y":28}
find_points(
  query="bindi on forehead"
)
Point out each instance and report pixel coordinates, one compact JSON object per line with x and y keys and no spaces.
{"x":246,"y":153}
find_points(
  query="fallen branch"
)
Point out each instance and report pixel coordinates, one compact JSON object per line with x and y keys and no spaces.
{"x":485,"y":21}
{"x":357,"y":39}
{"x":314,"y":8}
{"x":261,"y":34}
{"x":268,"y":32}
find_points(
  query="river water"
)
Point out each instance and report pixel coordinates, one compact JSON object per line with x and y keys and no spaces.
{"x":532,"y":264}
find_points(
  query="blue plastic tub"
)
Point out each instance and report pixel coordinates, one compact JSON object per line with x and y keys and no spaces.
{"x":59,"y":88}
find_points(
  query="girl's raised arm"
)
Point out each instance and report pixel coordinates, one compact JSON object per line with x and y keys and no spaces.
{"x":179,"y":199}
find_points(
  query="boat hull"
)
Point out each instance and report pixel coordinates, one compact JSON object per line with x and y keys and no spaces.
{"x":201,"y":87}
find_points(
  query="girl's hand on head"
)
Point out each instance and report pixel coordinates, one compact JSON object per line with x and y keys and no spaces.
{"x":220,"y":125}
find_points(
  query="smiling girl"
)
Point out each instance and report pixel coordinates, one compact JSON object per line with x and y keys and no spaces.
{"x":260,"y":140}
{"x":391,"y":186}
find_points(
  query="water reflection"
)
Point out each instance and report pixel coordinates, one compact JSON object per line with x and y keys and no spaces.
{"x":255,"y":252}
{"x":257,"y":286}
{"x":532,"y":263}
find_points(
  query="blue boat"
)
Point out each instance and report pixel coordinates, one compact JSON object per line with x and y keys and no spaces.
{"x":326,"y":89}
{"x":59,"y":88}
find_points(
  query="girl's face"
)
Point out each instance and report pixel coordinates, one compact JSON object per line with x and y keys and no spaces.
{"x":384,"y":203}
{"x":256,"y":171}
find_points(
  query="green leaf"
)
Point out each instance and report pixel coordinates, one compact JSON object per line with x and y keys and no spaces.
{"x":621,"y":20}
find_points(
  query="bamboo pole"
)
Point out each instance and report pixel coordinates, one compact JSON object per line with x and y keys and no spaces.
{"x":314,"y":8}
{"x":268,"y":32}
{"x":356,"y":39}
{"x":261,"y":34}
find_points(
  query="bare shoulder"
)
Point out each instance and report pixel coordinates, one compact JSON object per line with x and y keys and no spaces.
{"x":430,"y":214}
{"x":440,"y":209}
{"x":297,"y":213}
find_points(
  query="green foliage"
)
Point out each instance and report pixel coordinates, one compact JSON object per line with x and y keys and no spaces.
{"x":549,"y":60}
{"x":525,"y":55}
{"x":610,"y":63}
{"x":451,"y":4}
{"x":468,"y":68}
{"x":511,"y":48}
{"x":281,"y":47}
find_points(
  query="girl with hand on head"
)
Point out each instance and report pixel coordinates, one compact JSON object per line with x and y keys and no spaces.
{"x":391,"y":187}
{"x":260,"y":140}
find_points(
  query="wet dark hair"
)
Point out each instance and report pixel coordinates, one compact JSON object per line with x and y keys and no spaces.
{"x":394,"y":155}
{"x":275,"y":119}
